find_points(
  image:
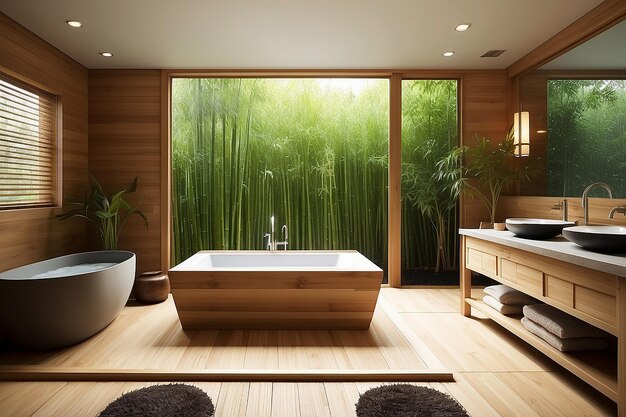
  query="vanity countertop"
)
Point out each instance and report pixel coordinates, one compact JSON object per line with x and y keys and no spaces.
{"x":556,"y":248}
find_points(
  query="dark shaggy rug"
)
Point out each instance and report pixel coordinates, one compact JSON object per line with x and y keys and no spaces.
{"x":173,"y":400}
{"x":403,"y":400}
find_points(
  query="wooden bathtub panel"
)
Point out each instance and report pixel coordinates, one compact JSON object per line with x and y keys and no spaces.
{"x":276,"y":300}
{"x":247,"y":280}
{"x":284,"y":300}
{"x":302,"y":320}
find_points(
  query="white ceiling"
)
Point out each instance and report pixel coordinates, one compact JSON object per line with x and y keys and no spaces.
{"x":311,"y":34}
{"x":606,"y":51}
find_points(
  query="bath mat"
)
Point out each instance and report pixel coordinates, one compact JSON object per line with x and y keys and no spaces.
{"x":404,"y":400}
{"x":173,"y":400}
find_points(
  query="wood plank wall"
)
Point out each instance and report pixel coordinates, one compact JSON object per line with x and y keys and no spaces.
{"x":540,"y":207}
{"x":30,"y":235}
{"x":486,"y":111}
{"x":124,"y":142}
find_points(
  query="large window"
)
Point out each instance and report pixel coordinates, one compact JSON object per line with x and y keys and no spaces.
{"x":28,"y":145}
{"x":313,"y":153}
{"x":430,"y":163}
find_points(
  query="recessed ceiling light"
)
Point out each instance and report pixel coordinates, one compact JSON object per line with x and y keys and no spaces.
{"x":449,"y":53}
{"x":462,"y":27}
{"x":107,"y":54}
{"x":74,"y":23}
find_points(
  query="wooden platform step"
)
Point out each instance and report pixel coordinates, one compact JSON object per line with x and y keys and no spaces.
{"x":40,"y":373}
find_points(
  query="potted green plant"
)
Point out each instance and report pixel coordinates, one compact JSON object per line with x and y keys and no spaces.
{"x":490,"y":167}
{"x":108,"y":213}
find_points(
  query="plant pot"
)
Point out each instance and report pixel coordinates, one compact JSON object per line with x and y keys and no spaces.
{"x":486,"y":225}
{"x":501,"y":227}
{"x":152,"y":287}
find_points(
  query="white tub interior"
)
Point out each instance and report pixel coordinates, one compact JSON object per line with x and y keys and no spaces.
{"x":261,"y":260}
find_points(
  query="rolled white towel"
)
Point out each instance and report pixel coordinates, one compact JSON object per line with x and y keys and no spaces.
{"x":560,"y":323}
{"x":509,"y":296}
{"x":565,"y":345}
{"x":502,"y":308}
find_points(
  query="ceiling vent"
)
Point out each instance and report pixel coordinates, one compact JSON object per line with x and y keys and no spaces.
{"x":493,"y":53}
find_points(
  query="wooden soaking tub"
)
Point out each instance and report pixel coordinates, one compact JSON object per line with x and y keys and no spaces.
{"x":276,"y":290}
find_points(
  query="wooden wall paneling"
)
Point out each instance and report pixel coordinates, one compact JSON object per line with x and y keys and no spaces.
{"x":602,"y":17}
{"x":166,"y":174}
{"x":484,"y":112}
{"x":124,"y":142}
{"x":394,"y":215}
{"x":31,"y":235}
{"x":540,"y":207}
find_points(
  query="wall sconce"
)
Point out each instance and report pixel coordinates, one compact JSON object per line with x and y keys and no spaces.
{"x":521,"y":133}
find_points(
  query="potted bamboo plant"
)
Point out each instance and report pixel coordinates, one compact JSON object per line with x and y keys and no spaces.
{"x":108,"y":213}
{"x":490,"y":168}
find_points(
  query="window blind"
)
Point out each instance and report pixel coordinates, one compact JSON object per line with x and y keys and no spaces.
{"x":28,"y":145}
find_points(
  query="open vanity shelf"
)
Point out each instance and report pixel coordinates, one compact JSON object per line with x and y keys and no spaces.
{"x":584,"y":284}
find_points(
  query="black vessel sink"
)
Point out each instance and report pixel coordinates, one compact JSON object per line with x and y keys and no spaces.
{"x":536,"y":228}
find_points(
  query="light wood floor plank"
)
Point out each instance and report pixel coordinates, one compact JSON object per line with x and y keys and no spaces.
{"x":27,"y":397}
{"x":228,"y":351}
{"x":285,"y":400}
{"x":313,"y":400}
{"x":468,"y":397}
{"x":550,"y":394}
{"x":80,"y":400}
{"x":472,"y":344}
{"x":499,"y":395}
{"x":342,"y":398}
{"x":261,"y":350}
{"x":233,"y":400}
{"x":292,"y":354}
{"x":259,"y":399}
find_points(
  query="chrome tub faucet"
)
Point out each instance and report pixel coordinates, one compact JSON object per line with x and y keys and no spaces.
{"x":272,"y":244}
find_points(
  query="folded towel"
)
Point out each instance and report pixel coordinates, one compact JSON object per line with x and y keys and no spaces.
{"x":565,"y":345}
{"x":508,"y":295}
{"x":502,"y":308}
{"x":559,"y":323}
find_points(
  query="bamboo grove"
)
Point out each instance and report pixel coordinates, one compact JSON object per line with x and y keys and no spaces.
{"x":313,"y":155}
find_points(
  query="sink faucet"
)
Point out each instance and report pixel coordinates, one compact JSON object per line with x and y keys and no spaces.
{"x":561,"y":205}
{"x":284,"y":243}
{"x":585,"y":200}
{"x":618,"y":209}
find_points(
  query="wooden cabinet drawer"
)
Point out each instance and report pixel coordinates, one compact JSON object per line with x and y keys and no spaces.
{"x":560,"y":291}
{"x":482,"y":262}
{"x":508,"y":270}
{"x":596,"y":304}
{"x":530,"y":279}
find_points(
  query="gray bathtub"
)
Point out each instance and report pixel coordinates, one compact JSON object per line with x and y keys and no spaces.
{"x":50,"y":312}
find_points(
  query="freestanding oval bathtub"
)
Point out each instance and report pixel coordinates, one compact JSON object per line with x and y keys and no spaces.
{"x":65,"y":300}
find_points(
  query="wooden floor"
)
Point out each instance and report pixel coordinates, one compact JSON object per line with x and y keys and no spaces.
{"x":496,"y":374}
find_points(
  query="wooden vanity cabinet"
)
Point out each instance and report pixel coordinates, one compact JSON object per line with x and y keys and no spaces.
{"x":558,"y":274}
